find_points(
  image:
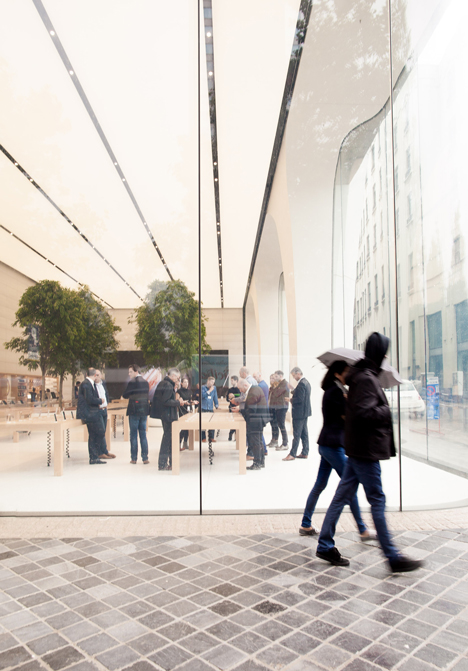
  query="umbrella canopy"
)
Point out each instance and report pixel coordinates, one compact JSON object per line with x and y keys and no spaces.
{"x":388,"y":376}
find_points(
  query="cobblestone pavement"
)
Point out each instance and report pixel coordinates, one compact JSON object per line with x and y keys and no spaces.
{"x":258,"y":602}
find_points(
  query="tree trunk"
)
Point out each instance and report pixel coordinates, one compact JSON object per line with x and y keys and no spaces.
{"x":61,"y":391}
{"x":43,"y":372}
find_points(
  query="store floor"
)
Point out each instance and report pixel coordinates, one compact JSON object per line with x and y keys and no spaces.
{"x":227,"y":602}
{"x":29,"y":486}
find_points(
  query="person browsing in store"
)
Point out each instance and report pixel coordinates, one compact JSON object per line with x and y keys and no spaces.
{"x":209,"y":401}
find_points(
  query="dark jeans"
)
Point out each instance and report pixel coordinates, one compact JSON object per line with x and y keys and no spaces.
{"x":183,"y":437}
{"x":165,"y":451}
{"x":332,"y":458}
{"x":368,"y":474}
{"x":96,"y":434}
{"x":300,"y":432}
{"x":103,"y":448}
{"x":278,"y":419}
{"x":138,"y":427}
{"x":256,"y":446}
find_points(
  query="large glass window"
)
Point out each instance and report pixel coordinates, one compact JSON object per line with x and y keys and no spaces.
{"x":233,"y":227}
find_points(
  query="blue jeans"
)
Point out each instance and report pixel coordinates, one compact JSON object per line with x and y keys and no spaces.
{"x":368,"y":474}
{"x":138,"y":427}
{"x":332,"y":458}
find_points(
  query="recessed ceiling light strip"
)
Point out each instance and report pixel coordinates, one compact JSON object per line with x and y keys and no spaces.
{"x":84,"y":99}
{"x":4,"y":228}
{"x":54,"y":205}
{"x":209,"y":51}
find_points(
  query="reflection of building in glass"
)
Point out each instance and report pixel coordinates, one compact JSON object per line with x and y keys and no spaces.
{"x":428,"y":279}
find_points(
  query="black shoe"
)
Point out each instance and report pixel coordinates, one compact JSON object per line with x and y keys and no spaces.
{"x":404,"y":564}
{"x":97,"y":461}
{"x":308,"y":531}
{"x":334,"y":557}
{"x":254,"y":467}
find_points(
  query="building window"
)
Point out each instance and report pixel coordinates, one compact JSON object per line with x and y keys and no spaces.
{"x":408,"y":162}
{"x":376,"y":287}
{"x":410,"y":272}
{"x":381,"y":225}
{"x":368,"y":246}
{"x":373,"y":157}
{"x":369,"y":300}
{"x":413,"y":350}
{"x":374,"y":197}
{"x":434,"y":331}
{"x":367,"y":212}
{"x":380,"y":183}
{"x":397,"y":181}
{"x":457,"y":250}
{"x":461,"y":317}
{"x":383,"y":283}
{"x":409,"y":209}
{"x":395,"y":138}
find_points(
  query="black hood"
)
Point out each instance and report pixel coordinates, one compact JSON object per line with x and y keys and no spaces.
{"x":376,"y":348}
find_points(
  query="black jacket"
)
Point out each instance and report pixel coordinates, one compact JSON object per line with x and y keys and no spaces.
{"x":301,"y":400}
{"x":255,"y":409}
{"x":165,"y":406}
{"x":185,"y":395}
{"x":368,"y":424}
{"x":89,"y":402}
{"x":137,"y":392}
{"x":333,"y":410}
{"x":235,"y":391}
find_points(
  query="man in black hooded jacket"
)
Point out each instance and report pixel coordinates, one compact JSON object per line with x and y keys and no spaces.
{"x":368,"y":440}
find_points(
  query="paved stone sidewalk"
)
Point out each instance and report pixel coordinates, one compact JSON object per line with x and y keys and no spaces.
{"x":259,"y":602}
{"x":203,"y":525}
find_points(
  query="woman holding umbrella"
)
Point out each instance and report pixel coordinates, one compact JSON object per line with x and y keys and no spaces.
{"x":331,"y":447}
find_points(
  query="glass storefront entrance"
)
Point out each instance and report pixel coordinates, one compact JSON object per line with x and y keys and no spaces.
{"x":238,"y":190}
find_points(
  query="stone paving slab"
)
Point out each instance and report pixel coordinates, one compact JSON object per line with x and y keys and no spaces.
{"x":252,"y":602}
{"x":95,"y":527}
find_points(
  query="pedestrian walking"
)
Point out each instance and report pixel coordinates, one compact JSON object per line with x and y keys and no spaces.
{"x":331,"y":448}
{"x":368,"y":440}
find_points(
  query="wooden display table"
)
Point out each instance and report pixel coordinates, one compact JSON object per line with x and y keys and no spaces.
{"x":57,"y":428}
{"x":210,"y":421}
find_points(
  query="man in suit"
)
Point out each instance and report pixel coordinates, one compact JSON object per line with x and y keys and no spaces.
{"x":88,"y":410}
{"x":104,"y":396}
{"x":137,"y":392}
{"x":301,"y":411}
{"x":165,"y":407}
{"x":255,"y":415}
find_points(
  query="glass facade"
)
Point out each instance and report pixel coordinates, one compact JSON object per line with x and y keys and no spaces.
{"x":299,"y":168}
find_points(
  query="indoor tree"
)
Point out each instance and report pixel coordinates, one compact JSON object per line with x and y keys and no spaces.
{"x":167,"y":326}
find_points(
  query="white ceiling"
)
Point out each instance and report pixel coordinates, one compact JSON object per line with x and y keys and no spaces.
{"x":136,"y":61}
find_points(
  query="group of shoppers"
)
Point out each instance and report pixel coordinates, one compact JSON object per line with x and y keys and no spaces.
{"x":243,"y":397}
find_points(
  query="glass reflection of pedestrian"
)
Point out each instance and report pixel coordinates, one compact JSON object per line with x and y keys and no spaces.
{"x":331,"y":448}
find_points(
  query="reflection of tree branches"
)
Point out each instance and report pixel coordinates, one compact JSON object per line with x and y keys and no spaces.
{"x":356,"y":60}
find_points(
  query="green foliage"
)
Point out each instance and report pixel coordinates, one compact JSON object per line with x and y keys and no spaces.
{"x":74,"y":330}
{"x":99,"y":347}
{"x":167,"y":327}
